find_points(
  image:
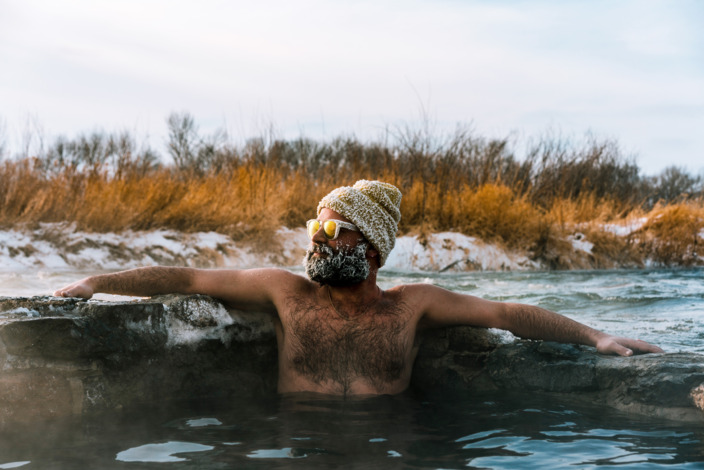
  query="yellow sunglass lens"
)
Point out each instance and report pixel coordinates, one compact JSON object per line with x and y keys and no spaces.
{"x":313,"y":228}
{"x":329,"y":228}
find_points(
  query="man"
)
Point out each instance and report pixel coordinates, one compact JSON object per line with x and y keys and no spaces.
{"x":337,"y":331}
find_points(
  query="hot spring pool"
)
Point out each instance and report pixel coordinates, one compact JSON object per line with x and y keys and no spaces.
{"x":509,"y":430}
{"x":502,"y":431}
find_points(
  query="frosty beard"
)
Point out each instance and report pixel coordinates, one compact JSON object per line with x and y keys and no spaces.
{"x":342,"y":268}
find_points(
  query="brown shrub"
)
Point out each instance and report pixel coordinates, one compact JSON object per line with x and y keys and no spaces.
{"x":673,"y":234}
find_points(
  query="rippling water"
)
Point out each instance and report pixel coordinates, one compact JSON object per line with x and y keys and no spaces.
{"x":500,"y":431}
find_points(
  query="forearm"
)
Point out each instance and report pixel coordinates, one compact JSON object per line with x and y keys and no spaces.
{"x":530,"y":322}
{"x":143,"y":282}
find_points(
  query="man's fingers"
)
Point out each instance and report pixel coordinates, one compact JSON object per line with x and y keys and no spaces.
{"x":642,"y":346}
{"x":617,"y":348}
{"x":629,"y":347}
{"x":69,"y":292}
{"x":62,"y":293}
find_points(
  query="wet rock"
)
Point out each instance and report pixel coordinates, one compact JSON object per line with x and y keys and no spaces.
{"x":63,"y":357}
{"x":664,"y":385}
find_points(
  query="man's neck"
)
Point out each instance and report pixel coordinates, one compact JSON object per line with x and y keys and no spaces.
{"x":348,"y":299}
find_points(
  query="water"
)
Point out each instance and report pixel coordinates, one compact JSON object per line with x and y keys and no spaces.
{"x":665,"y":307}
{"x":499,"y":431}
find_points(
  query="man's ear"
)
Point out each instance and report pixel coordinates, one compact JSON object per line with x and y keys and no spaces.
{"x":374,"y":258}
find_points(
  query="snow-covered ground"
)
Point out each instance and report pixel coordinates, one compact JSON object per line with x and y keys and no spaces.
{"x":58,"y":247}
{"x":449,"y":251}
{"x":61,"y":247}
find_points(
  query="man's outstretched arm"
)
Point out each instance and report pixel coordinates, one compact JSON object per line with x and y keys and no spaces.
{"x":141,"y":282}
{"x":247,"y":289}
{"x":445,"y":308}
{"x":531,"y":322}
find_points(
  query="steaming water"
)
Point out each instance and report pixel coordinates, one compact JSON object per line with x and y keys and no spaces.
{"x":500,"y":431}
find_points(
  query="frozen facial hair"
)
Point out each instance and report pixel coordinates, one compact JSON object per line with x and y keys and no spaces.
{"x":347,"y":266}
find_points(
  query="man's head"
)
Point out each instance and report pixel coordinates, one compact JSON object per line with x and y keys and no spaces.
{"x":374,"y":207}
{"x":354,"y":233}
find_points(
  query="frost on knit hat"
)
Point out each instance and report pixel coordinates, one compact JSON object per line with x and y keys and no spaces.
{"x":374,"y":207}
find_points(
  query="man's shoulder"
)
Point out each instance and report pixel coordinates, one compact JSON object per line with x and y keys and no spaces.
{"x":414,"y":293}
{"x":413,"y":288}
{"x":259,"y":278}
{"x":280,"y":278}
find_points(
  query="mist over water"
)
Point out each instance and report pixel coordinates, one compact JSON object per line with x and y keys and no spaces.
{"x":498,"y":430}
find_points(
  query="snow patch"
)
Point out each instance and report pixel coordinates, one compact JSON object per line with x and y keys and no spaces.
{"x":59,"y":247}
{"x":21,"y":311}
{"x":579,"y":242}
{"x":191,"y":330}
{"x":450,"y":251}
{"x":627,"y":228}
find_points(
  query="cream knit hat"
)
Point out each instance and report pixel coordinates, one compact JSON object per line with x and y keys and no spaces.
{"x":374,"y":207}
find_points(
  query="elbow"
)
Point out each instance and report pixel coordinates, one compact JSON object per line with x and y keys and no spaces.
{"x":187,"y":282}
{"x":503,"y":318}
{"x":519,"y":319}
{"x":194,"y":281}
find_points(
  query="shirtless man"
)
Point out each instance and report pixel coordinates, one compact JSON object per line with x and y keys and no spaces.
{"x":337,"y":331}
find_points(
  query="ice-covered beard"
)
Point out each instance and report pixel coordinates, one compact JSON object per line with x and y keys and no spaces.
{"x":344,"y":267}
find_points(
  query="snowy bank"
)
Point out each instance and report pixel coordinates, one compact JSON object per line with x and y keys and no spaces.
{"x":449,"y":251}
{"x":58,"y":247}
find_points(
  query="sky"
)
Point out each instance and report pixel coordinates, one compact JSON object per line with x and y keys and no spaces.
{"x":628,"y":71}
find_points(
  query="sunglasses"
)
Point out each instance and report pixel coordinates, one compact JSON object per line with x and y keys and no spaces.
{"x":331,"y":228}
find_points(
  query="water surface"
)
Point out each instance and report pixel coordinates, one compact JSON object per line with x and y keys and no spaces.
{"x":501,"y":431}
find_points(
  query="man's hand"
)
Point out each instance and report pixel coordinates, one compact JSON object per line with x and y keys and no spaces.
{"x":625,"y":346}
{"x":82,"y":289}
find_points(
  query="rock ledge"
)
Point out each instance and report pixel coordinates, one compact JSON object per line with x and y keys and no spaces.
{"x":62,"y":357}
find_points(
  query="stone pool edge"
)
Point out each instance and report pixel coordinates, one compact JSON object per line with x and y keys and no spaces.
{"x":67,"y":357}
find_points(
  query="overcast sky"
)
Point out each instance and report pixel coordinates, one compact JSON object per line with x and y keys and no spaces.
{"x":632,"y":71}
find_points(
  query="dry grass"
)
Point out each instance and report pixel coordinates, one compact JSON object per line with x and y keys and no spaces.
{"x":673,"y":234}
{"x":470,"y":186}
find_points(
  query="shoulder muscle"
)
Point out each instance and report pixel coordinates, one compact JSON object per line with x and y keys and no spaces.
{"x":247,"y":289}
{"x":438,"y":307}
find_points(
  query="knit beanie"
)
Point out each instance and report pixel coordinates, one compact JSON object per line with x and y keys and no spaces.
{"x":374,"y":207}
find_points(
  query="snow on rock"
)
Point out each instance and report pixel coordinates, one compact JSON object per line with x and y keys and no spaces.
{"x":449,"y":251}
{"x":627,"y":228}
{"x":579,"y":242}
{"x":58,"y":247}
